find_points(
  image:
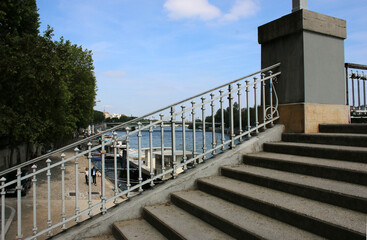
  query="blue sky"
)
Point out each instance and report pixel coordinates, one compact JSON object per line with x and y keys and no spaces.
{"x":151,"y":53}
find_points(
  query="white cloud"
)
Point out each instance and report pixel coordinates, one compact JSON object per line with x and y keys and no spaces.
{"x":114,"y":74}
{"x":202,"y":9}
{"x":192,"y":9}
{"x":241,"y":9}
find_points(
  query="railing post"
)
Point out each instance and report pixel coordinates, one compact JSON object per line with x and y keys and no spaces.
{"x":364,"y":90}
{"x":128,"y":185}
{"x":263,"y":99}
{"x":162,"y":143}
{"x":359,"y":90}
{"x":347,"y":83}
{"x":103,"y":176}
{"x":222,"y":118}
{"x":2,"y":180}
{"x":151,"y":151}
{"x":231,"y":119}
{"x":255,"y":106}
{"x":173,"y":139}
{"x":90,"y":214}
{"x":239,"y":111}
{"x":248,"y":109}
{"x":184,"y":137}
{"x":213,"y":123}
{"x":63,"y":214}
{"x":34,"y":182}
{"x":115,"y":189}
{"x":271,"y":97}
{"x":49,"y":221}
{"x":19,"y":204}
{"x":139,"y":157}
{"x":352,"y":77}
{"x":193,"y":132}
{"x":203,"y":125}
{"x":76,"y":150}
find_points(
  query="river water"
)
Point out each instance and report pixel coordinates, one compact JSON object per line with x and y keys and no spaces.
{"x":156,"y":139}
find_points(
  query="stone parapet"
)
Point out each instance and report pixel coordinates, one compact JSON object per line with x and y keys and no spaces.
{"x":302,"y":20}
{"x":306,"y":117}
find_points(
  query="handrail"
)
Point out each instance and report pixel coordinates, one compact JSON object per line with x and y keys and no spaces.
{"x":85,"y":140}
{"x":256,"y":111}
{"x":356,"y":95}
{"x":356,"y":66}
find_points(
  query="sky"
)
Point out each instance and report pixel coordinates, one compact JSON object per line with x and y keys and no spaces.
{"x":149,"y":54}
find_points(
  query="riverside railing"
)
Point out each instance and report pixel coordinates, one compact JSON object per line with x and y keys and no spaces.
{"x":175,"y":138}
{"x":356,"y":94}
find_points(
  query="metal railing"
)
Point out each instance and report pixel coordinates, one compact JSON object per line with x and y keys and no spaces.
{"x":355,"y":79}
{"x":175,"y":139}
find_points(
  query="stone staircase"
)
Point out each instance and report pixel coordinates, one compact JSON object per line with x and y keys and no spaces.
{"x":309,"y":186}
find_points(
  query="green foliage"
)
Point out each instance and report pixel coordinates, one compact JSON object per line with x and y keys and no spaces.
{"x":98,"y":116}
{"x":236,"y":114}
{"x":124,"y":118}
{"x":48,"y":87}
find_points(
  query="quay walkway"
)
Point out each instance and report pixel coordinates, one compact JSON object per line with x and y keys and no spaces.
{"x":56,"y":205}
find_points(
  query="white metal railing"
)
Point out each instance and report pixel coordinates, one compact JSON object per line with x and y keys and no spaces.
{"x":356,"y":94}
{"x":233,"y":119}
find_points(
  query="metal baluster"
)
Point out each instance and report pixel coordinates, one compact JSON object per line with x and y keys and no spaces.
{"x":49,"y":221}
{"x":353,"y":95}
{"x":90,"y":214}
{"x":173,"y":139}
{"x":263,"y":99}
{"x":103,"y":176}
{"x":193,"y":132}
{"x":359,"y":91}
{"x":248,"y":109}
{"x":63,"y":214}
{"x":364,"y":90}
{"x":162,"y":144}
{"x":255,"y":106}
{"x":184,"y":137}
{"x":271,"y":99}
{"x":151,"y":152}
{"x":347,"y":84}
{"x":128,"y":185}
{"x":139,"y":157}
{"x":115,"y":189}
{"x":2,"y":180}
{"x":222,"y":118}
{"x":239,"y":111}
{"x":212,"y":105}
{"x":34,"y":181}
{"x":203,"y":124}
{"x":19,"y":204}
{"x":76,"y":185}
{"x":231,"y":119}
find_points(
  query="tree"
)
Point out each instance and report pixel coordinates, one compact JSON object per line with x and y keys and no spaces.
{"x":98,"y":116}
{"x":236,"y":113}
{"x":48,"y":87}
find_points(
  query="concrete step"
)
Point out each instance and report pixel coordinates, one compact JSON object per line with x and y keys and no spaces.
{"x":237,"y":221}
{"x":102,"y":237}
{"x":348,"y":153}
{"x":352,"y":172}
{"x":344,"y":128}
{"x":343,"y":139}
{"x":338,"y":193}
{"x":320,"y":218}
{"x":175,"y":223}
{"x":136,"y":229}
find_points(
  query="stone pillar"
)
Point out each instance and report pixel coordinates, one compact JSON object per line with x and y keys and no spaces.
{"x":310,"y":48}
